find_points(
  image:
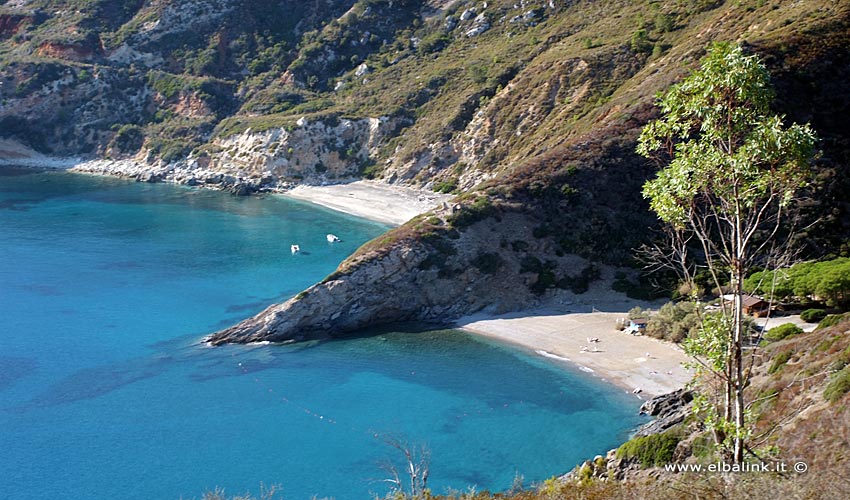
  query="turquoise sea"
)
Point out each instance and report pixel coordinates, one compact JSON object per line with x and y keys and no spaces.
{"x":106,"y":287}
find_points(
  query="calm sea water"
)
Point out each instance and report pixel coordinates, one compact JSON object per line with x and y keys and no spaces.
{"x":106,"y":286}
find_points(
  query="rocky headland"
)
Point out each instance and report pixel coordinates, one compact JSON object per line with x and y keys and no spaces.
{"x":418,"y":275}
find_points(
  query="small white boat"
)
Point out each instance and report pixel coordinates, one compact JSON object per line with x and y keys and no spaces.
{"x":295,"y":249}
{"x":332,"y":238}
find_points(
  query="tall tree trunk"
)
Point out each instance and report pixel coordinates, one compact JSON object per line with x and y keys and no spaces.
{"x":737,"y":379}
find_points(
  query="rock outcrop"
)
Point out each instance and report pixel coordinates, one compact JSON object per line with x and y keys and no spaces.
{"x":313,"y":152}
{"x":669,"y":410}
{"x":420,"y":277}
{"x":193,"y":172}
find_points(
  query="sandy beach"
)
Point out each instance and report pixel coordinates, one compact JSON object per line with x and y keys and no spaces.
{"x":15,"y":153}
{"x":631,"y":362}
{"x":371,"y":200}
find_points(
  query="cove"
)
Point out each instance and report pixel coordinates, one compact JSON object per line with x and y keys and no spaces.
{"x":106,"y":287}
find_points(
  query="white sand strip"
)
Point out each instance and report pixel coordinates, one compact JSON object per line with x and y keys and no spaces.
{"x":372,"y":200}
{"x":628,"y":361}
{"x":16,"y":154}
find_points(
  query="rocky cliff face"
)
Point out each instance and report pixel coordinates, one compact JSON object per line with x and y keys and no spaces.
{"x":307,"y":152}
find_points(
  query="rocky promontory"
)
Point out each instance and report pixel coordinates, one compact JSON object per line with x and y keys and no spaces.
{"x":429,"y":271}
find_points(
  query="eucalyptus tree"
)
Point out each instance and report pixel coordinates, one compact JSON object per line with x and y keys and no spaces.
{"x":730,"y":173}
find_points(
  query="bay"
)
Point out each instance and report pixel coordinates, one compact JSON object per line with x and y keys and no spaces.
{"x":106,"y":287}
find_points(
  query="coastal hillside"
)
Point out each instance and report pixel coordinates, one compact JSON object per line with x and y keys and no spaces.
{"x":527,"y":111}
{"x":799,"y":391}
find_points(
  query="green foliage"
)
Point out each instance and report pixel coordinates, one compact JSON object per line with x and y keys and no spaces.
{"x":779,"y":361}
{"x":674,"y":321}
{"x":488,"y":262}
{"x":637,"y":312}
{"x":726,"y":103}
{"x":585,"y":474}
{"x":832,"y":320}
{"x":813,"y":315}
{"x":128,"y":139}
{"x":733,"y":170}
{"x":469,"y":214}
{"x":446,"y":186}
{"x":711,"y":341}
{"x":651,"y":451}
{"x":166,"y":84}
{"x":169,"y":150}
{"x":664,"y":22}
{"x":639,"y":288}
{"x":841,"y":361}
{"x":530,"y":264}
{"x":640,"y":42}
{"x":838,"y":386}
{"x":782,"y":331}
{"x":580,"y":283}
{"x":519,"y":246}
{"x":434,"y":42}
{"x":828,"y":280}
{"x":370,"y":170}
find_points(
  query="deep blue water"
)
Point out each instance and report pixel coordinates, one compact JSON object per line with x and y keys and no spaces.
{"x":106,"y":286}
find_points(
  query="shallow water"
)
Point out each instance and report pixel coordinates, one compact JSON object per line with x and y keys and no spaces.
{"x":105,"y":288}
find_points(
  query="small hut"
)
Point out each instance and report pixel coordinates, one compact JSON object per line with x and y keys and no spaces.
{"x":754,"y":306}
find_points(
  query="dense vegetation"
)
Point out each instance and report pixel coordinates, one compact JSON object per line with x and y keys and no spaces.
{"x":826,"y":280}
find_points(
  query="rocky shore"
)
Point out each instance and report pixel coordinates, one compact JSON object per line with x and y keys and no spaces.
{"x":189,"y":173}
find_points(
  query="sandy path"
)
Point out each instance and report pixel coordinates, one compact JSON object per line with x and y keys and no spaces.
{"x":628,"y":361}
{"x":372,"y":200}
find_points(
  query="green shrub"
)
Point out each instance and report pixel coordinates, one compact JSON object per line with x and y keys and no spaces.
{"x":841,"y":361}
{"x":674,"y":322}
{"x":487,"y":263}
{"x":813,"y":315}
{"x":640,"y":42}
{"x":838,"y":386}
{"x":530,"y":264}
{"x":370,"y":170}
{"x":446,"y":186}
{"x":652,"y":450}
{"x":434,"y":42}
{"x":546,"y":279}
{"x":470,"y":214}
{"x":779,"y":361}
{"x":166,"y":84}
{"x":782,"y":331}
{"x":580,"y":283}
{"x":826,"y":280}
{"x":832,"y":320}
{"x":640,"y":289}
{"x":128,"y":139}
{"x":519,"y":246}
